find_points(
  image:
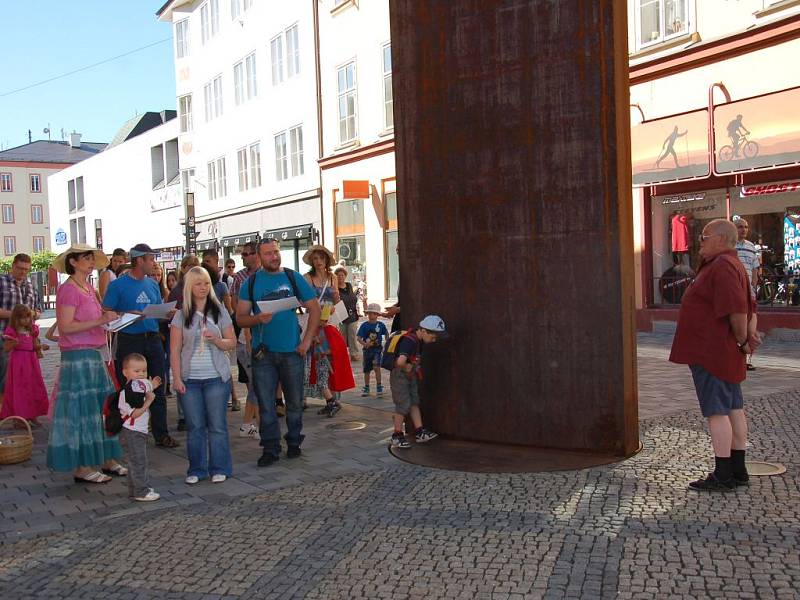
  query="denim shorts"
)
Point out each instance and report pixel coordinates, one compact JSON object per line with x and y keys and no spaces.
{"x":716,"y":397}
{"x":372,"y":359}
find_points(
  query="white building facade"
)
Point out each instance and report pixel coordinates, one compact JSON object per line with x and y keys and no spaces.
{"x":128,"y":194}
{"x":358,"y":163}
{"x":248,"y":119}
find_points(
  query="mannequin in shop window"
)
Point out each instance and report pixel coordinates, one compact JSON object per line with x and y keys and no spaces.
{"x":680,"y":225}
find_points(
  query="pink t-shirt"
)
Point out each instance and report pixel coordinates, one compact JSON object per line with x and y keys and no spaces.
{"x":87,"y":308}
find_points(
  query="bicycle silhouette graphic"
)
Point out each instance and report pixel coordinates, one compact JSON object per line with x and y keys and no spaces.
{"x":747,"y":149}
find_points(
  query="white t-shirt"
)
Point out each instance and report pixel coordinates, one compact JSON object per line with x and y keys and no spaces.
{"x":142,"y":423}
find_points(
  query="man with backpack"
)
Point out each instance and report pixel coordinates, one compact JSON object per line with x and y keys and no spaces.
{"x":403,"y":357}
{"x":277,"y":350}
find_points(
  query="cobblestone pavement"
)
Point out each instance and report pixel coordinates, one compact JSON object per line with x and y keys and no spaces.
{"x":348,"y":521}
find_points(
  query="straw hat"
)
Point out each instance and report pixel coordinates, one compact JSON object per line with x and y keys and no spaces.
{"x":100,"y":260}
{"x":310,"y":252}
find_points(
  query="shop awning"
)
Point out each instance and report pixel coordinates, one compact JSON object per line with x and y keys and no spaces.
{"x":291,"y":233}
{"x":233,"y":241}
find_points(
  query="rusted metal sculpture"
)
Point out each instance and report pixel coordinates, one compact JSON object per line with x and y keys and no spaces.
{"x":514,"y":187}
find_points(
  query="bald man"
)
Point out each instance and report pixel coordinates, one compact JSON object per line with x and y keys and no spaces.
{"x":715,"y":332}
{"x":751,"y":260}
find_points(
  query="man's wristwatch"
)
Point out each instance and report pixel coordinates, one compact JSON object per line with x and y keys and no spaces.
{"x":741,"y":346}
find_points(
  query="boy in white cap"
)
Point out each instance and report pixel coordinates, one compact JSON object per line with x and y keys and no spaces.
{"x":405,"y":375}
{"x":371,"y":335}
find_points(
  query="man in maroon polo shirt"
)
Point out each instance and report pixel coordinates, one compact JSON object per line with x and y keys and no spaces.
{"x":715,"y":333}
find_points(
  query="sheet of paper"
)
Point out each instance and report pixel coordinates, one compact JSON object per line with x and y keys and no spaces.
{"x":158,"y":311}
{"x":274,"y":306}
{"x":339,"y":314}
{"x":125,"y":320}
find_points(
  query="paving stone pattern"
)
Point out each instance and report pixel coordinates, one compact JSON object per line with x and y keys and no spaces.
{"x":348,"y":521}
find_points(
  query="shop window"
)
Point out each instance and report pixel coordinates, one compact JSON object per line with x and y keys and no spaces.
{"x":392,"y":259}
{"x":660,"y":20}
{"x":350,"y":241}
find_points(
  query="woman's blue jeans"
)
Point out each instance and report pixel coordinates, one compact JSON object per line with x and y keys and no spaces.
{"x":205,"y":405}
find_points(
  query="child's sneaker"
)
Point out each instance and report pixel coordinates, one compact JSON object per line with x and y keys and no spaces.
{"x":379,"y":391}
{"x":335,"y":407}
{"x":249,"y":430}
{"x":400,"y":441}
{"x":365,"y":391}
{"x":423,"y":435}
{"x":325,"y":410}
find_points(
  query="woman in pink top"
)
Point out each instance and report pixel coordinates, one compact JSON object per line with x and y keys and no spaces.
{"x":78,"y":441}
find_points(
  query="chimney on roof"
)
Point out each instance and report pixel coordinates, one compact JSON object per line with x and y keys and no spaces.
{"x":74,"y":140}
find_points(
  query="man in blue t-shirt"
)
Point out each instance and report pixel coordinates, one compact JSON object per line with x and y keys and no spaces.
{"x":133,"y":293}
{"x":278,"y":352}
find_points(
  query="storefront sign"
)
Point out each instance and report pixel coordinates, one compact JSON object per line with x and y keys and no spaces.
{"x":674,"y":148}
{"x":205,"y":244}
{"x":681,"y":198}
{"x":758,"y":133}
{"x":239,"y":240}
{"x":293,"y":233}
{"x":772,"y":188}
{"x":355,"y":189}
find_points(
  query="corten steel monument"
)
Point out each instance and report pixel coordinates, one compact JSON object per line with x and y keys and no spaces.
{"x":514,"y":186}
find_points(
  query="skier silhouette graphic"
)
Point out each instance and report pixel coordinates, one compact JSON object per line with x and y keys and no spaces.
{"x":668,"y":147}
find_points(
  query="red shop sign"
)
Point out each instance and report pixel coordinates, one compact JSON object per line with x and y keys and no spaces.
{"x":773,"y":188}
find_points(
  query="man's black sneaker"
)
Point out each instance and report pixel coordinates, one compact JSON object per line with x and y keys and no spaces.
{"x":267,"y":459}
{"x":712,"y":484}
{"x":334,"y":408}
{"x":400,"y":441}
{"x":423,"y":435}
{"x":293,"y":452}
{"x":325,"y":410}
{"x":741,"y":480}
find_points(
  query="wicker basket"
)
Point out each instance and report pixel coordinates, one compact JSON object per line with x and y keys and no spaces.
{"x":17,"y":447}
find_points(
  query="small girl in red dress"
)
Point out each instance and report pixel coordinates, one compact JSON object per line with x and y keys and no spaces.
{"x":25,"y":393}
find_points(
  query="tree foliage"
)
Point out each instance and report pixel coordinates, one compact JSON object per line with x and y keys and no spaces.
{"x":39,"y":262}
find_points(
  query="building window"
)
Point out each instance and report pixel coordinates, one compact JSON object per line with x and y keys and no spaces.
{"x":276,"y":51}
{"x":172,"y":169}
{"x":187,"y":181}
{"x":241,"y":163}
{"x":185,"y":111}
{"x":38,"y":244}
{"x":292,"y":52}
{"x":71,"y":195}
{"x":255,"y":165}
{"x":660,"y":20}
{"x":212,"y":95}
{"x":182,"y":38}
{"x":217,"y":179}
{"x":346,"y":86}
{"x":296,"y":150}
{"x":82,"y":230}
{"x":79,"y":193}
{"x":8,"y":213}
{"x":36,"y":183}
{"x":209,"y":20}
{"x":5,"y":183}
{"x":392,"y":260}
{"x":289,"y":65}
{"x":244,"y":79}
{"x":350,"y":238}
{"x":236,"y":8}
{"x":37,"y":214}
{"x":281,"y":166}
{"x":10,"y":245}
{"x":388,"y":96}
{"x":77,"y":231}
{"x":157,"y":166}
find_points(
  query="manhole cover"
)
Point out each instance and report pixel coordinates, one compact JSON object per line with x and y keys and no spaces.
{"x":761,"y":468}
{"x":346,"y":426}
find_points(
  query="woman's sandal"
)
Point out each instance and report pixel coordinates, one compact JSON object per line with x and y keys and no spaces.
{"x":116,"y":471}
{"x":93,"y":477}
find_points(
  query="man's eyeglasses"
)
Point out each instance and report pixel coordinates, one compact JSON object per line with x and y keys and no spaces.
{"x":703,"y":237}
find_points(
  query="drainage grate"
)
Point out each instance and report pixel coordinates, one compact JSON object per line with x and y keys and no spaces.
{"x":346,"y":426}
